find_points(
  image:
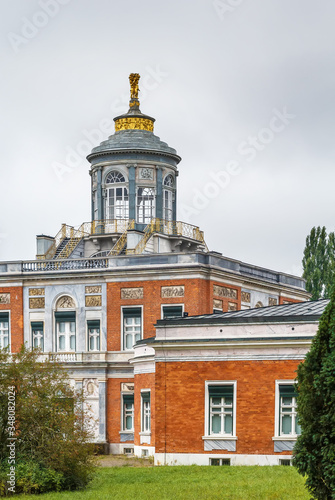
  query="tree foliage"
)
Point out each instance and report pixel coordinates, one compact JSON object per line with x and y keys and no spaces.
{"x":314,"y":453}
{"x":52,"y":437}
{"x":319,"y":262}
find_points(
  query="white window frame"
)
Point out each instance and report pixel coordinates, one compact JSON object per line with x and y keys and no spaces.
{"x":67,"y":335}
{"x":144,"y":210}
{"x":39,"y":337}
{"x":145,"y":432}
{"x":172,"y":305}
{"x":168,"y":204}
{"x":123,"y":413}
{"x":135,"y":306}
{"x":220,"y":436}
{"x":123,"y":207}
{"x":88,"y":334}
{"x":9,"y":346}
{"x":284,"y":437}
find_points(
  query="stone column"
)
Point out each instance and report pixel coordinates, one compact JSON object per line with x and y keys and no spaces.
{"x":159,"y":193}
{"x":132,"y":192}
{"x":99,"y":195}
{"x":102,"y":412}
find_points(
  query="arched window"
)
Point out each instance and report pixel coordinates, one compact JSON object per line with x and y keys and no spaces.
{"x":117,"y":199}
{"x":169,"y":181}
{"x":114,"y":176}
{"x":65,"y":324}
{"x":168,"y":194}
{"x":145,"y":205}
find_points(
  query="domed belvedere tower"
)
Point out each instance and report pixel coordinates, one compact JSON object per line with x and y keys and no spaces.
{"x":134,"y":188}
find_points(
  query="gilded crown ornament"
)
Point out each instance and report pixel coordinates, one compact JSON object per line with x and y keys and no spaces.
{"x":134,"y":79}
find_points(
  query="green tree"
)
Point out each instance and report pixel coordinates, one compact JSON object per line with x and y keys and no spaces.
{"x":314,"y":452}
{"x":319,"y":262}
{"x":51,"y":427}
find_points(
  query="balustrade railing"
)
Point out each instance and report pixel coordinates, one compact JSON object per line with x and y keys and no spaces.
{"x":64,"y":265}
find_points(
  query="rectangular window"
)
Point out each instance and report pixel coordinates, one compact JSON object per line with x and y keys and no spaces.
{"x":93,"y":329}
{"x":66,"y":331}
{"x":221,"y":410}
{"x":4,"y":329}
{"x":37,"y":333}
{"x":146,"y":412}
{"x":132,"y":326}
{"x":145,"y":205}
{"x":128,"y":412}
{"x":173,"y":311}
{"x":219,"y":461}
{"x":288,"y":418}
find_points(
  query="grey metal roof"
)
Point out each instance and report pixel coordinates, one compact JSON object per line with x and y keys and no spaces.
{"x":134,"y":140}
{"x":300,"y":311}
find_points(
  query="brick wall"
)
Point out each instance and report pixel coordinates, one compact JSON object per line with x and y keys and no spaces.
{"x":114,"y":408}
{"x":198,"y":299}
{"x":16,"y":315}
{"x":183,"y":403}
{"x":144,"y":381}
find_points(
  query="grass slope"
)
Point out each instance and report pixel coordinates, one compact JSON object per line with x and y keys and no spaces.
{"x":189,"y":483}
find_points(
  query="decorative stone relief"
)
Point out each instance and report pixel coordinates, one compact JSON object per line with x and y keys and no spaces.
{"x":273,"y":301}
{"x":172,"y":291}
{"x":91,"y":387}
{"x":217,"y":304}
{"x":127,"y":387}
{"x":36,"y":291}
{"x":93,"y":289}
{"x":232,"y":306}
{"x":4,"y":298}
{"x":93,"y":301}
{"x":259,"y":304}
{"x":37,"y":303}
{"x":224,"y":291}
{"x":146,"y":173}
{"x":131,"y":293}
{"x":65,"y":302}
{"x":245,"y":296}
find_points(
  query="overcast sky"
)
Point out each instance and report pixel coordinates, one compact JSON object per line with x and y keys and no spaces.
{"x":243,"y":89}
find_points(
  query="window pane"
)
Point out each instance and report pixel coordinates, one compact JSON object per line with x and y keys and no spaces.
{"x":216,"y":424}
{"x":286,"y":424}
{"x":61,"y":342}
{"x":297,"y":427}
{"x":72,"y":342}
{"x":216,"y":401}
{"x":129,"y":423}
{"x":72,"y":326}
{"x":129,"y":341}
{"x":61,"y":327}
{"x":228,"y":424}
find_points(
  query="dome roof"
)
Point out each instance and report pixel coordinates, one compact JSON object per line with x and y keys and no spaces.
{"x":134,"y":140}
{"x":134,"y":132}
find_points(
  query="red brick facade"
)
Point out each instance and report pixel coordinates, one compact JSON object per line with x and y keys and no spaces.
{"x":180,"y":403}
{"x":15,"y":309}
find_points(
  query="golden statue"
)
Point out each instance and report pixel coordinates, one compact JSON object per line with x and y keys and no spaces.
{"x":134,"y":78}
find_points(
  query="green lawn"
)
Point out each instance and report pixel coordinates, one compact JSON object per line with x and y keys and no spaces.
{"x":183,"y":483}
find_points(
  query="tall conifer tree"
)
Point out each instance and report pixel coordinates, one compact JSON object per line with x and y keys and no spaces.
{"x":319,"y":262}
{"x":314,"y":452}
